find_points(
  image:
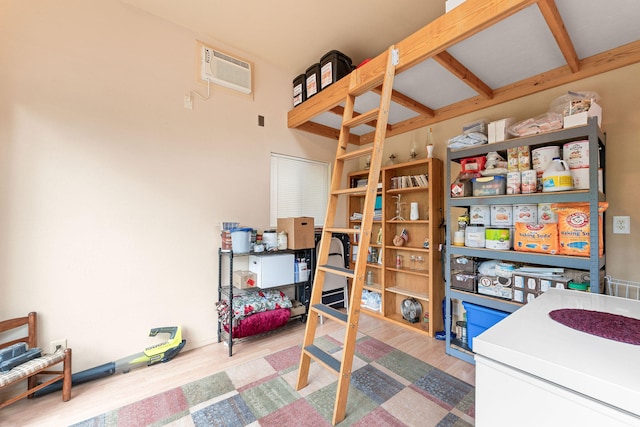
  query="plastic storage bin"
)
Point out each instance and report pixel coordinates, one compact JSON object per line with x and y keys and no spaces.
{"x":312,"y":77}
{"x":334,"y":65}
{"x":479,"y":319}
{"x":299,"y":89}
{"x":241,"y":240}
{"x":489,"y":186}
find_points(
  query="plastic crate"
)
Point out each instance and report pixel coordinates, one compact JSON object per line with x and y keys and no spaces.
{"x":479,"y":319}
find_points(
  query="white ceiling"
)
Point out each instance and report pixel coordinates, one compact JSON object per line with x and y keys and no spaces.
{"x":294,"y":34}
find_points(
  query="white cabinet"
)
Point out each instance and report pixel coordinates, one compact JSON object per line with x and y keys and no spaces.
{"x":272,"y":270}
{"x":534,"y":371}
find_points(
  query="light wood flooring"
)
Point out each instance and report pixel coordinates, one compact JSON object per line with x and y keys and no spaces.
{"x":98,"y":396}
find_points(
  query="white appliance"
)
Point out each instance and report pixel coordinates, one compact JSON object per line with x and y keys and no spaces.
{"x":534,"y":371}
{"x":272,"y":269}
{"x":225,"y":70}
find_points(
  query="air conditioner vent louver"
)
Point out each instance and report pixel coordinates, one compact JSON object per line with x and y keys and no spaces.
{"x":225,"y":70}
{"x":231,"y":59}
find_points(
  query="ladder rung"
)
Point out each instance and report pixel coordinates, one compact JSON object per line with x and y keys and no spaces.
{"x":356,"y":153}
{"x":323,"y":357}
{"x":361,"y":119}
{"x":340,"y":271}
{"x":350,"y":191}
{"x":343,"y":230}
{"x":330,"y":312}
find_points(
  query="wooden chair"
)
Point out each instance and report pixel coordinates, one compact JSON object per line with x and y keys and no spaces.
{"x":31,"y":369}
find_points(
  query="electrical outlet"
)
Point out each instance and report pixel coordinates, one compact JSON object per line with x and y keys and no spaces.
{"x":188,"y":102}
{"x":58,"y":344}
{"x":621,"y":225}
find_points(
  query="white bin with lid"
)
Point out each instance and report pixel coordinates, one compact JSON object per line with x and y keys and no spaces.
{"x":241,"y":240}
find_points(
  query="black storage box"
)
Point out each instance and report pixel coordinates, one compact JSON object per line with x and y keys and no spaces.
{"x":334,"y":65}
{"x":313,"y":80}
{"x":299,"y":89}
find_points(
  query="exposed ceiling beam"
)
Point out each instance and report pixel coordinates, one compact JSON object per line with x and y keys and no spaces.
{"x":405,"y":101}
{"x":597,"y":64}
{"x":447,"y":60}
{"x":437,"y":36}
{"x":326,"y":131}
{"x":339,"y":110}
{"x":556,"y":25}
{"x":433,"y":40}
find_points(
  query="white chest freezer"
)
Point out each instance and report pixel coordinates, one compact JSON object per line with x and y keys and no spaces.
{"x":272,"y":270}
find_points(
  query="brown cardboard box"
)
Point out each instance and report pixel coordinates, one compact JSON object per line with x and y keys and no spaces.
{"x":300,"y":232}
{"x":243,"y":279}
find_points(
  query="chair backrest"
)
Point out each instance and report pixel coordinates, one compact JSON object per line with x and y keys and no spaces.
{"x":12,"y":327}
{"x":336,"y":259}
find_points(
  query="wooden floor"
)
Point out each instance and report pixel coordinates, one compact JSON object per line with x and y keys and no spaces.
{"x":93,"y":398}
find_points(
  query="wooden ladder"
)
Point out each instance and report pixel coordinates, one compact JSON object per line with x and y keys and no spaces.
{"x":342,"y":367}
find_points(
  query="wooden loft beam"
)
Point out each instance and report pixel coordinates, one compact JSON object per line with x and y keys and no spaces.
{"x":556,"y":25}
{"x":597,"y":64}
{"x":327,"y":131}
{"x":405,"y":101}
{"x":339,"y":110}
{"x":433,"y":40}
{"x":445,"y":59}
{"x":469,"y":18}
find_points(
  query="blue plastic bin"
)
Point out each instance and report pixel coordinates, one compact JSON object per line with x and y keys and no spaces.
{"x":479,"y":319}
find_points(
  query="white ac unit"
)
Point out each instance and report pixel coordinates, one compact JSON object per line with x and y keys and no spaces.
{"x":225,"y":70}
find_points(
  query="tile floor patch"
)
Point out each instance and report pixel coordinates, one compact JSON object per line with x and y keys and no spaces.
{"x":371,"y":349}
{"x":444,"y":388}
{"x":299,"y":414}
{"x":284,"y":359}
{"x":207,"y":388}
{"x":413,"y":409}
{"x":232,"y":412}
{"x":250,"y":372}
{"x":377,"y":385}
{"x":269,"y":396}
{"x":405,"y":365}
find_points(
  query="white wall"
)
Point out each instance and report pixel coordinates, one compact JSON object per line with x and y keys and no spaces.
{"x":111,"y":192}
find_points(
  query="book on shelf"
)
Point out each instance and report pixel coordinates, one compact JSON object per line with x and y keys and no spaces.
{"x":412,"y":181}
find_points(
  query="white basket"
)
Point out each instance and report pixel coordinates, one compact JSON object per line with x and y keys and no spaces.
{"x":623,"y":288}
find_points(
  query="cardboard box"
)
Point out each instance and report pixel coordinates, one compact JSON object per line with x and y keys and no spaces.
{"x":495,"y":286}
{"x":297,"y":308}
{"x":300,"y":232}
{"x":547,"y":283}
{"x":498,"y":130}
{"x":526,"y":282}
{"x":243,"y":279}
{"x":581,"y":119}
{"x":461,"y":188}
{"x":522,"y":296}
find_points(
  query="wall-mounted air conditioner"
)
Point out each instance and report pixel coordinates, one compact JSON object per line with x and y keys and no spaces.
{"x":225,"y":70}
